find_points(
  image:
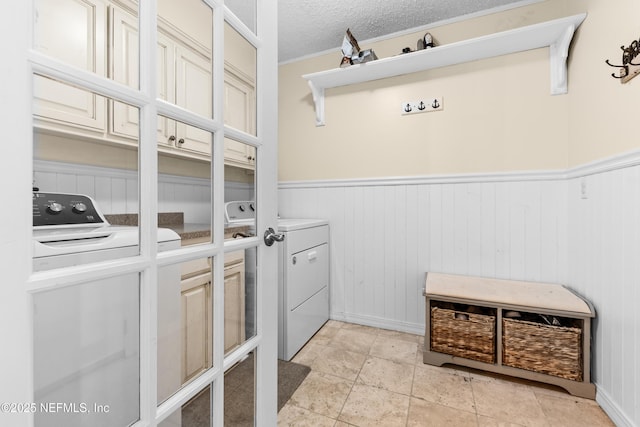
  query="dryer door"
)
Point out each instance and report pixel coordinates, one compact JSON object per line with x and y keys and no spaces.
{"x":308,"y":273}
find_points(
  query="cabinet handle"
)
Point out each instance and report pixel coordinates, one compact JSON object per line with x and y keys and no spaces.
{"x":172,"y":139}
{"x":181,"y":141}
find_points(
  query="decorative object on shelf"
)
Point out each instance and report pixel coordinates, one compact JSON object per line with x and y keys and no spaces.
{"x":628,"y":69}
{"x":426,"y":42}
{"x":351,"y":53}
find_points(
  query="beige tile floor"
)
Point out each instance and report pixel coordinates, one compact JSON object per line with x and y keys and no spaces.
{"x":363,"y":376}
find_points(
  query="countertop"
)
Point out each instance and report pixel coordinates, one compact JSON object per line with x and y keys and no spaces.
{"x":175,"y":221}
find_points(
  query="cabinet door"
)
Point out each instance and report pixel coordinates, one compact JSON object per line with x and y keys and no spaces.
{"x":124,"y":33}
{"x":196,"y":315}
{"x":83,"y":46}
{"x":124,"y":42}
{"x":239,"y":113}
{"x":239,"y":154}
{"x":234,"y":333}
{"x":166,"y":86}
{"x":193,"y":91}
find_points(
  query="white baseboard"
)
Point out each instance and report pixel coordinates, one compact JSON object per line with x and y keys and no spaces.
{"x":609,"y":406}
{"x":378,"y":322}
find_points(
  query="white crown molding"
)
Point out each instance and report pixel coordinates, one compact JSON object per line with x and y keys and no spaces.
{"x":419,"y":29}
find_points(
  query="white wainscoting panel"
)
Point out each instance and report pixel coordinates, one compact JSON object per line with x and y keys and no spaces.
{"x":116,"y":190}
{"x":604,"y":265}
{"x":384,"y":238}
{"x":579,"y":227}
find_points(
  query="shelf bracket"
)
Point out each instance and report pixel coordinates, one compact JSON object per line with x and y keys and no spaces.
{"x":318,"y":101}
{"x":558,"y":54}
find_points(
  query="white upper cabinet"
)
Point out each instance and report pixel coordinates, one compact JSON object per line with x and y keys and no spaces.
{"x":81,"y":45}
{"x":239,"y":113}
{"x":104,"y":40}
{"x":123,"y":121}
{"x":193,"y":92}
{"x":184,"y":79}
{"x":185,"y":72}
{"x":239,"y":97}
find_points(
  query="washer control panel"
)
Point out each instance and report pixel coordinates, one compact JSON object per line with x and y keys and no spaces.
{"x":64,"y":209}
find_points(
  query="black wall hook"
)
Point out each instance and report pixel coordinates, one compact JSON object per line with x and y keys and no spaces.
{"x":624,"y":70}
{"x":629,"y":53}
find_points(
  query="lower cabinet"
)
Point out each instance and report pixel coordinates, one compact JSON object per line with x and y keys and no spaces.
{"x":234,"y":313}
{"x":196,"y":292}
{"x":195,"y":301}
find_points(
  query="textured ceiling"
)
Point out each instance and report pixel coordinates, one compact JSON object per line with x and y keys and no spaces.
{"x":311,"y":26}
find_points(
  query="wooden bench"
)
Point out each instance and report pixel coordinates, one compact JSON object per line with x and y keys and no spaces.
{"x":536,"y":331}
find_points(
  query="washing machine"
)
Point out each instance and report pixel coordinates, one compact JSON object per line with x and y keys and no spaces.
{"x":86,"y":337}
{"x":303,"y":275}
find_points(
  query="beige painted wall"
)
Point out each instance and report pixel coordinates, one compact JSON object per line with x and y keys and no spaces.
{"x":602,"y":111}
{"x":498,"y":113}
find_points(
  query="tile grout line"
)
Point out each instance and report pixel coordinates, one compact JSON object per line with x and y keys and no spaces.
{"x":474,"y":382}
{"x":355,"y":380}
{"x":475,"y":403}
{"x":413,"y":380}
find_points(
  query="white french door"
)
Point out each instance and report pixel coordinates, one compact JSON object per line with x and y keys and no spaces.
{"x":124,"y":100}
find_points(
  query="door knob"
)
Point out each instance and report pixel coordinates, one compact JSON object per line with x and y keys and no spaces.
{"x":271,"y":236}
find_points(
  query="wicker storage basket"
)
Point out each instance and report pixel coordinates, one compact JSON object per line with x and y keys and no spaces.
{"x":552,"y":350}
{"x":463,"y":334}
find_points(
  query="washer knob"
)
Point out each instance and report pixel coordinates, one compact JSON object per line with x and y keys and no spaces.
{"x":55,"y":208}
{"x":79,"y":208}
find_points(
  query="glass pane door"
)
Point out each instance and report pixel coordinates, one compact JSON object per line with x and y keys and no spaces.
{"x":146,"y":299}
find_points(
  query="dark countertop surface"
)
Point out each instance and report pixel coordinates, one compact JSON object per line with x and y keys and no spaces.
{"x":196,"y":231}
{"x":175,"y":221}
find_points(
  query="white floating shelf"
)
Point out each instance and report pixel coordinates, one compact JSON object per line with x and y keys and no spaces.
{"x":556,"y":34}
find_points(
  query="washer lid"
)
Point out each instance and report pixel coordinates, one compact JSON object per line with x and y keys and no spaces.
{"x":292,"y":224}
{"x":62,"y":241}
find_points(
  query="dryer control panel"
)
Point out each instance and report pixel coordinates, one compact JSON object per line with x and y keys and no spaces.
{"x":50,"y":209}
